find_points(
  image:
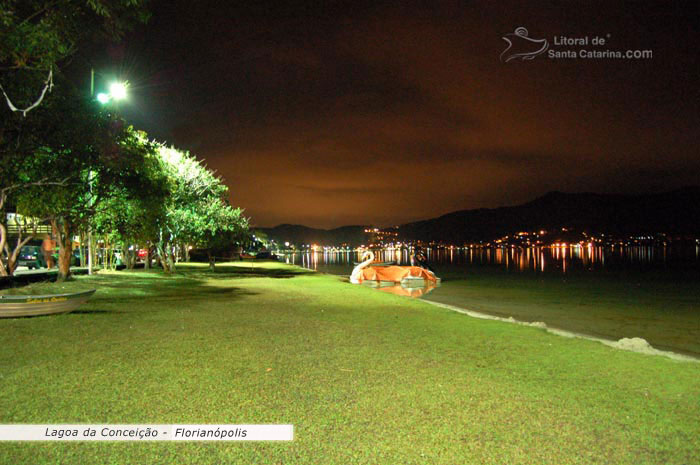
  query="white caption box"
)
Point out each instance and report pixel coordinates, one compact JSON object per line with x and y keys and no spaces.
{"x":146,"y":432}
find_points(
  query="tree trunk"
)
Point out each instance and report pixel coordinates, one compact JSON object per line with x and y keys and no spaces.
{"x":65,"y":247}
{"x":165,"y":256}
{"x":9,"y":264}
{"x":147,"y":258}
{"x":127,"y":256}
{"x":105,"y":254}
{"x":91,"y":252}
{"x":81,"y":249}
{"x":170,"y":259}
{"x":163,"y":260}
{"x":3,"y":230}
{"x":212,"y":261}
{"x":12,"y":257}
{"x":3,"y":243}
{"x":132,"y":259}
{"x":65,"y":252}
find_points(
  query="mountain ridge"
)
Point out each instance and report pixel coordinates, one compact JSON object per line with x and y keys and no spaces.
{"x":673,"y":212}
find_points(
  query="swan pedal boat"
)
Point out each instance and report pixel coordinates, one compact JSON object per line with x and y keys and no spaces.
{"x":13,"y":306}
{"x":381,"y":274}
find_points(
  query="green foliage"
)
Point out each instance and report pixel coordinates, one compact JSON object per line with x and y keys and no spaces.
{"x":84,"y":155}
{"x":197,"y":212}
{"x":87,"y":167}
{"x":36,"y":36}
{"x":210,"y":223}
{"x":80,"y":167}
{"x":261,"y":236}
{"x":68,"y":122}
{"x":39,"y":34}
{"x":129,"y":211}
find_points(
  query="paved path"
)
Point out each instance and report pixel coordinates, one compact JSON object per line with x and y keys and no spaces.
{"x":24,"y":271}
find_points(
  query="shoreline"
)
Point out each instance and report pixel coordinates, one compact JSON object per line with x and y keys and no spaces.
{"x":635,"y":344}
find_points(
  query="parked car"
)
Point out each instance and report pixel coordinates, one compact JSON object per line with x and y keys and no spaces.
{"x":32,"y":257}
{"x":74,"y":258}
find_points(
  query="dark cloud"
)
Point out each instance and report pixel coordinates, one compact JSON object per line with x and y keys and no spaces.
{"x":338,"y":113}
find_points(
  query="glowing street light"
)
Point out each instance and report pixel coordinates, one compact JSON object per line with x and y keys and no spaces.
{"x":117,"y":91}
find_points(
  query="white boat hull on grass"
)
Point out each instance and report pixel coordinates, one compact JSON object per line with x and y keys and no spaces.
{"x":14,"y":306}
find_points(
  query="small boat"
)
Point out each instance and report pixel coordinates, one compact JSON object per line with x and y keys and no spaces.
{"x":12,"y":306}
{"x":381,"y":275}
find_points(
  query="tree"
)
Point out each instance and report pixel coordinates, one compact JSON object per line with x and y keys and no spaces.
{"x":10,"y":188}
{"x":213,"y":225}
{"x":88,"y":155}
{"x":48,"y":156}
{"x":37,"y":36}
{"x":261,"y":237}
{"x":26,"y":229}
{"x":129,"y":214}
{"x":68,"y":122}
{"x":196,"y":212}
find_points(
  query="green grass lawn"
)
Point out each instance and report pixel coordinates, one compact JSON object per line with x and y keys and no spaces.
{"x":365,"y":377}
{"x":662,"y":307}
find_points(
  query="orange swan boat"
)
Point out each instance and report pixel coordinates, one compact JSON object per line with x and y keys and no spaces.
{"x":389,"y":275}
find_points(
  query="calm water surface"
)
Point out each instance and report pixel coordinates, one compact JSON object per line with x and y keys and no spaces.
{"x":611,"y":292}
{"x":557,"y":260}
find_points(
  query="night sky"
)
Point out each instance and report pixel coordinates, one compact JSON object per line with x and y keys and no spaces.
{"x":330,"y":113}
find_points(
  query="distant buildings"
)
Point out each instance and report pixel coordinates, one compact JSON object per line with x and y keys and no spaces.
{"x":558,"y":238}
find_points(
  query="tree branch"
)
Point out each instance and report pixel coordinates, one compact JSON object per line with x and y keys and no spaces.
{"x":38,"y":12}
{"x":47,"y":86}
{"x":42,"y":182}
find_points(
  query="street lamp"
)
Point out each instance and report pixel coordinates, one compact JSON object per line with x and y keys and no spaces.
{"x":117,"y":91}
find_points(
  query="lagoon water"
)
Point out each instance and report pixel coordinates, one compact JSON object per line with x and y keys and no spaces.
{"x":557,"y":260}
{"x":609,"y":292}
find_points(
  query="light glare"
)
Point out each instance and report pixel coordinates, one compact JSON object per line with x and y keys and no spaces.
{"x":118,"y":91}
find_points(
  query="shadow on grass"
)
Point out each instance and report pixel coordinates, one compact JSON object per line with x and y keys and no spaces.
{"x":94,"y":312}
{"x":225,"y":271}
{"x":238,"y":272}
{"x":130,"y":289}
{"x":137,"y":288}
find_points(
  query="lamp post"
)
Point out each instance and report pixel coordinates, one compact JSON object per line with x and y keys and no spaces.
{"x":117,"y":92}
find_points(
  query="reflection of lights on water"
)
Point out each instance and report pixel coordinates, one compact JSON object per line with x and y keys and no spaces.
{"x":542,"y":261}
{"x":585,"y":256}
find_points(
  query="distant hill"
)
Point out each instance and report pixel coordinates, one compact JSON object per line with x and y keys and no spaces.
{"x":676,"y":212}
{"x":298,"y":234}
